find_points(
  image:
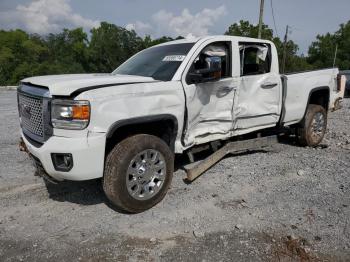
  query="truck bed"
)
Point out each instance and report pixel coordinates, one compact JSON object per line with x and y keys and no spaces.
{"x":299,"y":86}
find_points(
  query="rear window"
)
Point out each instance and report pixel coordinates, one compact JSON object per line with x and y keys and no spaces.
{"x":255,"y":58}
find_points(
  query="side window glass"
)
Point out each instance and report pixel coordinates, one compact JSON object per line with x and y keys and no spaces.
{"x":219,"y":52}
{"x":255,"y":59}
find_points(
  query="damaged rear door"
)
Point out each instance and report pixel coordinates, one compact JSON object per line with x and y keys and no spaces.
{"x":259,"y":94}
{"x":209,"y":103}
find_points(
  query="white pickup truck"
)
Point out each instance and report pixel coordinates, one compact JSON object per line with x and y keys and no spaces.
{"x":173,"y":98}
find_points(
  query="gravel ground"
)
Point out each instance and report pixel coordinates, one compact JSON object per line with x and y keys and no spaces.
{"x":289,"y":204}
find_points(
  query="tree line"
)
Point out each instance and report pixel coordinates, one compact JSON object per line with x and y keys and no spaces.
{"x":72,"y":51}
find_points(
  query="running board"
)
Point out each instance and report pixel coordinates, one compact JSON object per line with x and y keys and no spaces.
{"x":194,"y":170}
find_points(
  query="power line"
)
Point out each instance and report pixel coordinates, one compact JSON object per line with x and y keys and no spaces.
{"x":273,"y":16}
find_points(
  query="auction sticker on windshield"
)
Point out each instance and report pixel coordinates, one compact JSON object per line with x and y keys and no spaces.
{"x":174,"y":58}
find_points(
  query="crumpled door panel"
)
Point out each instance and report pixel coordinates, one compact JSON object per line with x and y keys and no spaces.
{"x":256,"y":105}
{"x":209,"y":107}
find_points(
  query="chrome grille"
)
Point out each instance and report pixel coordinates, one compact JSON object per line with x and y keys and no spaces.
{"x":31,"y":113}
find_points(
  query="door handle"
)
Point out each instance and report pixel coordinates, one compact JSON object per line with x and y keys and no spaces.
{"x":269,"y":85}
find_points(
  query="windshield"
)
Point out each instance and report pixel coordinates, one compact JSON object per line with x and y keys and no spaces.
{"x":159,"y":62}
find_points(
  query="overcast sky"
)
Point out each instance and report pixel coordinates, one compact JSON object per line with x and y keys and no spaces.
{"x":176,"y":17}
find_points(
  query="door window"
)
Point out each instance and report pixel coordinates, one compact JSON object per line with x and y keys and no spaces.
{"x":221,"y":51}
{"x":255,"y":59}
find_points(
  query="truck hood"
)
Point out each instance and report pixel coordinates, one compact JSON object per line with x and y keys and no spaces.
{"x":65,"y":85}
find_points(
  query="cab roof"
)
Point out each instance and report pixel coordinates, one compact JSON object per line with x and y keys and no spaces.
{"x":222,"y":37}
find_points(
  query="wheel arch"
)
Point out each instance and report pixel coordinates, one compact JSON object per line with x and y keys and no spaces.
{"x":318,"y":96}
{"x":164,"y":126}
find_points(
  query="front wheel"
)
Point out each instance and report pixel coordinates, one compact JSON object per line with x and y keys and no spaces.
{"x":313,"y":127}
{"x":138,"y":173}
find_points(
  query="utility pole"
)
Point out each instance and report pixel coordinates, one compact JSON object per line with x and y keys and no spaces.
{"x":261,"y":16}
{"x":335,"y":54}
{"x":285,"y":50}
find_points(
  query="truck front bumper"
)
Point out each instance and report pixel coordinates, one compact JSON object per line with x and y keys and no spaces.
{"x":87,"y":153}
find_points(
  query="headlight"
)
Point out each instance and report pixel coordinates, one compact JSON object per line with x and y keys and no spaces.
{"x":70,"y":114}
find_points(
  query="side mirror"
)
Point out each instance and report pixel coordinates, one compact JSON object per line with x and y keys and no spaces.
{"x":194,"y":78}
{"x":211,"y":72}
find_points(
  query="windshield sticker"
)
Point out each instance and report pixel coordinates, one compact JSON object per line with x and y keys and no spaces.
{"x":174,"y":58}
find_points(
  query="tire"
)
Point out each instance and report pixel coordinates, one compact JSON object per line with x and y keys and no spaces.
{"x":138,"y":173}
{"x":313,"y":127}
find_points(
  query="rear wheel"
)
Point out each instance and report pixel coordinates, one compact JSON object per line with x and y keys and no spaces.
{"x":138,"y":173}
{"x":313,"y":127}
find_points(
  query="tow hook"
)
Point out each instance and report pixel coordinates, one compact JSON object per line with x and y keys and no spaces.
{"x":22,"y":145}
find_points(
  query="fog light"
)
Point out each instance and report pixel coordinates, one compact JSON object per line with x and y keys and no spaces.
{"x":62,"y":161}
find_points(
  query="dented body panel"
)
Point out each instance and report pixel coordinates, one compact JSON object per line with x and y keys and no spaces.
{"x":136,"y":100}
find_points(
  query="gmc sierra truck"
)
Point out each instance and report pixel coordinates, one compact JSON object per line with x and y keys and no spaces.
{"x":174,"y":98}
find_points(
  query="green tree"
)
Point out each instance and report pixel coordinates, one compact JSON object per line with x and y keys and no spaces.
{"x":246,"y":29}
{"x":23,"y":55}
{"x":20,"y":55}
{"x":68,"y":52}
{"x":321,"y":51}
{"x":111,"y":45}
{"x":148,"y":41}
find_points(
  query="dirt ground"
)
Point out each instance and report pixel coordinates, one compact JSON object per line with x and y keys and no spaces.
{"x":288,"y":204}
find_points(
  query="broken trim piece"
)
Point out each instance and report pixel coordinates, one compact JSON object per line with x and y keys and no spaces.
{"x":194,"y":171}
